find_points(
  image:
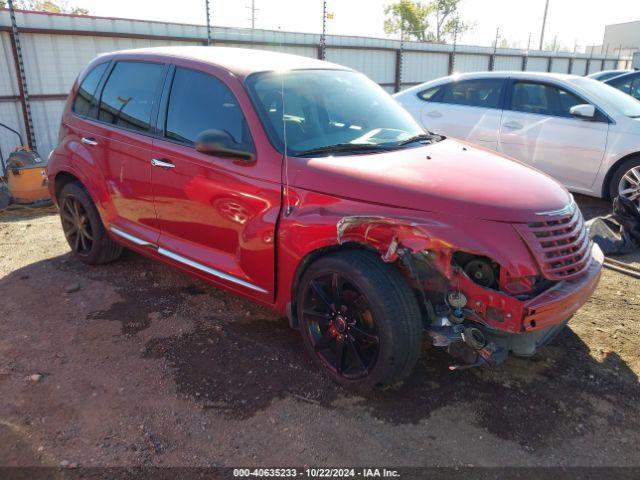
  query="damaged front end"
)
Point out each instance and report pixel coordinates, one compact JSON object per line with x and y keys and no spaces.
{"x":479,"y":300}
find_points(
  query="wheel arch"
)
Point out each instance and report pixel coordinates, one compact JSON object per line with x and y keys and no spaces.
{"x":63,"y":178}
{"x":606,"y":190}
{"x":306,"y":262}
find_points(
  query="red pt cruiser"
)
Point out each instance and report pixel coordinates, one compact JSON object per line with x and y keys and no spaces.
{"x":303,"y":186}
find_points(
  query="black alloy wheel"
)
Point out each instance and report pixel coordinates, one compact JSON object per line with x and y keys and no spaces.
{"x":359,"y":319}
{"x":341,"y":326}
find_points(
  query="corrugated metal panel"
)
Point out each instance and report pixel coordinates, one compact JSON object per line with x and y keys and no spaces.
{"x":537,"y":64}
{"x":46,"y":122}
{"x":610,"y":65}
{"x":11,"y":115}
{"x":579,"y":66}
{"x":421,"y":67}
{"x":560,"y":65}
{"x":470,"y":63}
{"x":507,"y":63}
{"x":8,"y":83}
{"x":595,"y":66}
{"x":379,"y":65}
{"x":53,"y":62}
{"x":390,"y":89}
{"x":292,"y":49}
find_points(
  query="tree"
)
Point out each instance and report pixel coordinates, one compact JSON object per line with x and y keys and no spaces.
{"x":407,"y":18}
{"x":51,"y":6}
{"x":436,"y":21}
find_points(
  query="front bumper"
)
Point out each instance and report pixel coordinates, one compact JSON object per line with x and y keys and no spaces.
{"x":543,"y":317}
{"x":563,"y":299}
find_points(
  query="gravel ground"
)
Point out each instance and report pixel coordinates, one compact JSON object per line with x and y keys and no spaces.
{"x":135,"y":363}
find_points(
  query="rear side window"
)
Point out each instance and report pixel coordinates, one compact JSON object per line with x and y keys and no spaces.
{"x":542,"y":99}
{"x":200,"y":102}
{"x":128,"y":96}
{"x":483,"y":93}
{"x":82,"y":103}
{"x":430,"y":94}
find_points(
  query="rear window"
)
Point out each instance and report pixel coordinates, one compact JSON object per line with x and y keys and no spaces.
{"x":429,"y":94}
{"x":484,"y":93}
{"x":87,"y":89}
{"x":128,"y":96}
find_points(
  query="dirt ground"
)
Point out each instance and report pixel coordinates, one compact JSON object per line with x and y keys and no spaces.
{"x":135,"y":363}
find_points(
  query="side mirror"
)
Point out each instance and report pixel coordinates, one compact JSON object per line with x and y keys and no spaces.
{"x":219,"y":142}
{"x":583,"y":111}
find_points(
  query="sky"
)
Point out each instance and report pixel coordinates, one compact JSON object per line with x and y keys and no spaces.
{"x":572,"y":22}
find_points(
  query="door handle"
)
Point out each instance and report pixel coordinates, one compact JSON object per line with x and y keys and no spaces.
{"x":88,"y":141}
{"x":162,"y":163}
{"x":512,"y":125}
{"x":434,"y":114}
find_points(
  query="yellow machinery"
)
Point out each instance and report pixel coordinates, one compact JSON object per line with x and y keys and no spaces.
{"x":26,"y":175}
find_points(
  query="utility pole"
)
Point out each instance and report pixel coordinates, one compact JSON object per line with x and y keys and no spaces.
{"x":209,"y":39}
{"x":253,"y":13}
{"x":544,"y":23}
{"x":323,"y":41}
{"x":22,"y":77}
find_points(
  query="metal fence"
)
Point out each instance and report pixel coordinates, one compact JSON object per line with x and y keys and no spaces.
{"x":51,"y":49}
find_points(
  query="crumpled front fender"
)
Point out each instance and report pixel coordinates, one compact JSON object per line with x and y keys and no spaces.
{"x":319,"y":221}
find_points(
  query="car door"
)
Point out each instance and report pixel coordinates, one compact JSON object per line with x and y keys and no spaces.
{"x":217,"y":214}
{"x":116,"y":137}
{"x":538,"y":129}
{"x":467,"y":109}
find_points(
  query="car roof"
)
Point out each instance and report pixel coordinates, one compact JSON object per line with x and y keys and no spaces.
{"x":239,"y":61}
{"x":540,"y":76}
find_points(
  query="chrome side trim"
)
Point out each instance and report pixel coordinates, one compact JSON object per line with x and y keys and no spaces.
{"x":132,"y":238}
{"x":186,"y":261}
{"x":210,"y":271}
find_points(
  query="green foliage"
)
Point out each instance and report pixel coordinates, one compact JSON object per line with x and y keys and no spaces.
{"x":435,"y":21}
{"x":59,"y":6}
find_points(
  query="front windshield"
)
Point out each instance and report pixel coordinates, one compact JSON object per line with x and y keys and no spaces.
{"x":328,"y":108}
{"x":608,"y":96}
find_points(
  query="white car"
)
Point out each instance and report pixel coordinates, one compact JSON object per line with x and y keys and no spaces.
{"x":580,"y":131}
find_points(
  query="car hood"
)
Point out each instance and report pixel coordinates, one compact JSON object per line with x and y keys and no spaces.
{"x":449,"y":177}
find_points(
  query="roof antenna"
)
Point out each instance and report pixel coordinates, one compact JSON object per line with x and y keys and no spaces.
{"x":287,"y":200}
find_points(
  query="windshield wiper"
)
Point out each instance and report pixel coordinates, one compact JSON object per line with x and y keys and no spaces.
{"x":420,"y":138}
{"x":342,"y":147}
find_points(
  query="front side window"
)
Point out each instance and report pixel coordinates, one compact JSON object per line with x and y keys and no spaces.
{"x":484,"y":93}
{"x":311,"y":110}
{"x":86,"y":90}
{"x":543,"y":99}
{"x":128,"y":96}
{"x":200,"y":102}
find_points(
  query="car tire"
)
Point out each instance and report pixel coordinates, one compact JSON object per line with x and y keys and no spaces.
{"x":83,"y":227}
{"x":353,"y":306}
{"x":622,"y":169}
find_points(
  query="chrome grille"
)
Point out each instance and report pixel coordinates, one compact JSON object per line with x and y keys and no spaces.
{"x":560,"y":243}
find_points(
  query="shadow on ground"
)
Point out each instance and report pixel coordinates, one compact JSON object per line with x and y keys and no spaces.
{"x":238,"y":359}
